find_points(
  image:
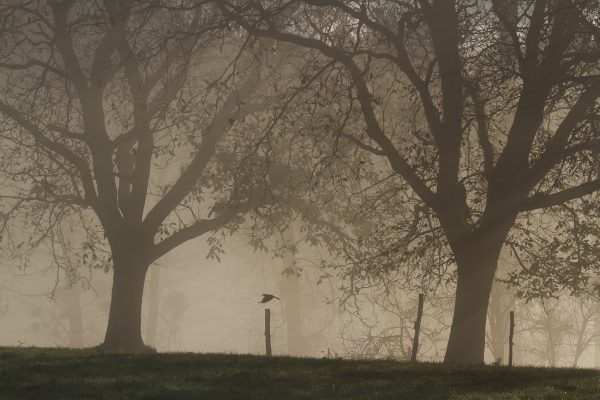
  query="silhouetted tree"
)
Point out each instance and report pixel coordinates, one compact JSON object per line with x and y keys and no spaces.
{"x":99,"y":96}
{"x":503,"y":96}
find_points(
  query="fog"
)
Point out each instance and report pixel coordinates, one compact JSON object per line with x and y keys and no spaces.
{"x":204,"y":305}
{"x":211,"y":306}
{"x":164,"y":165}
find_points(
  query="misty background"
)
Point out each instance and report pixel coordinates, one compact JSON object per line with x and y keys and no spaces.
{"x":192,"y":304}
{"x":164,"y":164}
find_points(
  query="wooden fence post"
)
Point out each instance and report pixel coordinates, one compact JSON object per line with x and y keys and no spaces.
{"x":268,"y":331}
{"x":510,"y":338}
{"x":415,"y":346}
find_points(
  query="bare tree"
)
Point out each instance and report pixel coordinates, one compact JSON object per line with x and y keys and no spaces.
{"x":495,"y":134}
{"x":99,"y":96}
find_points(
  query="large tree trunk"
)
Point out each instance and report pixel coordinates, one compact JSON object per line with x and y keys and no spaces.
{"x":124,"y":332}
{"x":476,"y":262}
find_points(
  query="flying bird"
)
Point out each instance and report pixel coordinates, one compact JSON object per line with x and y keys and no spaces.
{"x":268,"y":297}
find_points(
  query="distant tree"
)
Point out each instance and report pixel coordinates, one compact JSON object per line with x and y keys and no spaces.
{"x":502,"y":302}
{"x":557,"y":252}
{"x":485,"y":109}
{"x":379,"y":323}
{"x":153,"y":306}
{"x":290,"y":287}
{"x":582,"y":333}
{"x":557,"y":331}
{"x":96,"y":98}
{"x":557,"y":255}
{"x":175,"y":305}
{"x":544,"y":331}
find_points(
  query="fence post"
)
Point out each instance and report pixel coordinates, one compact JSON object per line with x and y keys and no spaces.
{"x":268,"y":331}
{"x":415,"y":346}
{"x":510,"y":338}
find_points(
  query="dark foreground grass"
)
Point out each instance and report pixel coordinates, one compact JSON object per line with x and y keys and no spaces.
{"x":73,"y":374}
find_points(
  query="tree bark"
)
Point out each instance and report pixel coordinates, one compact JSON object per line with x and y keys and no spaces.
{"x":476,"y":262}
{"x":123,"y":332}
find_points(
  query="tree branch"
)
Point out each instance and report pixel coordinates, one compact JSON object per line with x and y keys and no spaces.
{"x":220,"y":125}
{"x":374,"y":130}
{"x":554,"y":199}
{"x":190,"y":232}
{"x":79,"y":163}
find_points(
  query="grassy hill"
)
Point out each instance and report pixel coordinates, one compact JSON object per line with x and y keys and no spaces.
{"x":74,"y":374}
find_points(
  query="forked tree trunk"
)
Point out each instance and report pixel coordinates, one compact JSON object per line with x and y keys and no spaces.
{"x":476,"y":271}
{"x":124,"y":332}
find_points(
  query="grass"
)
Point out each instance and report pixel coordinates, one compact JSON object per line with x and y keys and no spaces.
{"x":30,"y":373}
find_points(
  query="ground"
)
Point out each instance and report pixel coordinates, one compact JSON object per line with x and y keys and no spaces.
{"x":80,"y":374}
